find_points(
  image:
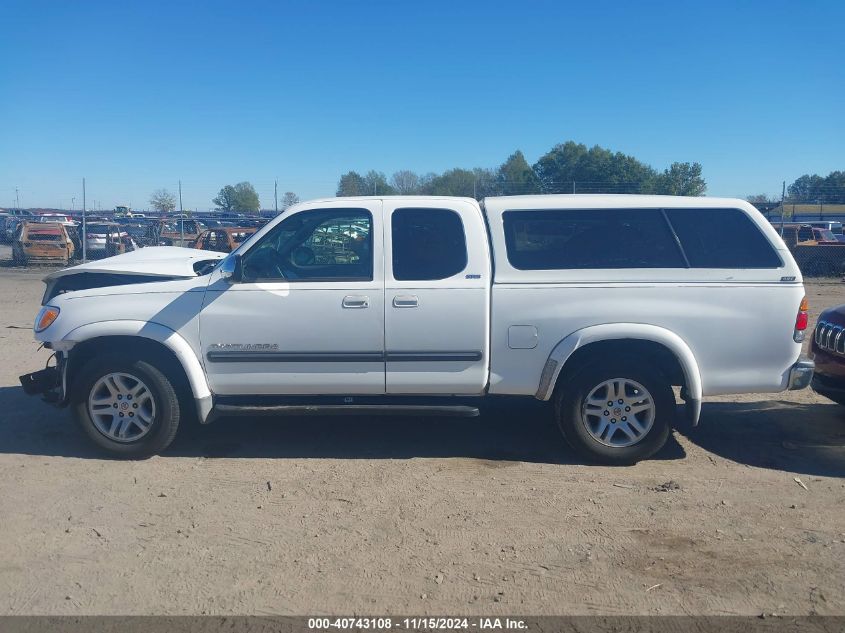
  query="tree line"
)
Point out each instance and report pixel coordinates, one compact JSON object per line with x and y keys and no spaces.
{"x":815,"y":189}
{"x":567,"y":168}
{"x":811,"y":189}
{"x":239,"y":198}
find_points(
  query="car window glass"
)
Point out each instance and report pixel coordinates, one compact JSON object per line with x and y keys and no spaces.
{"x":723,"y":238}
{"x":428,"y":244}
{"x":319,"y":245}
{"x":590,"y":239}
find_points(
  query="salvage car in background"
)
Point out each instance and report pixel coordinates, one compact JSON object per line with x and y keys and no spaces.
{"x":179,"y":232}
{"x":46,"y":242}
{"x":222,"y":240}
{"x":807,"y":234}
{"x":105,"y":239}
{"x":61,"y":218}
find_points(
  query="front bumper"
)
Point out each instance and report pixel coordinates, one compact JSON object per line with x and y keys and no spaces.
{"x":50,"y":382}
{"x":801,"y":374}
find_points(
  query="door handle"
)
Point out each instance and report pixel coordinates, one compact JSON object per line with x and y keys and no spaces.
{"x":356,"y":301}
{"x":405,"y":301}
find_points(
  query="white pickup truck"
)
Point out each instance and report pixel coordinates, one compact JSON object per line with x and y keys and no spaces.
{"x":427,"y":305}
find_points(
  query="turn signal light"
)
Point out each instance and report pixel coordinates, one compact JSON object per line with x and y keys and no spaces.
{"x":45,"y":318}
{"x":801,"y":321}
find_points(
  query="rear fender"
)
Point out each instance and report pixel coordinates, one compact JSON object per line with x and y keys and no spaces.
{"x":617,"y":331}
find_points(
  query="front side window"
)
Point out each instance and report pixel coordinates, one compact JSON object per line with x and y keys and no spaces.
{"x":557,"y":239}
{"x":428,"y":244}
{"x":321,"y":245}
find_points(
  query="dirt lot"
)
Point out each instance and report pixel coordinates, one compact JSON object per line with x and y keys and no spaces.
{"x":491,"y":515}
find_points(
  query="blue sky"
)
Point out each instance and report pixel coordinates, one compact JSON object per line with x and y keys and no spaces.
{"x":136,"y":95}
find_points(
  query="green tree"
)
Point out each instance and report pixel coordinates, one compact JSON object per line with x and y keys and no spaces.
{"x":241,"y":198}
{"x":571,"y":166}
{"x":351,"y":184}
{"x":163,"y":201}
{"x":486,"y":184}
{"x":226,"y":199}
{"x":375,"y":184}
{"x":246,"y":198}
{"x":516,"y":177}
{"x":814,"y":189}
{"x":681,"y":179}
{"x":453,"y":182}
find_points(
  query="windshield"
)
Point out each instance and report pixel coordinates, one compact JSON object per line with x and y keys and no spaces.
{"x":826,"y":235}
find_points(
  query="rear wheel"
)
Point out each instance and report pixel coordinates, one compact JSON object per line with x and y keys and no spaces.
{"x":616,"y":414}
{"x":127,"y":407}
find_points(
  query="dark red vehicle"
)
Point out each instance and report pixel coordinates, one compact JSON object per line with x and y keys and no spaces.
{"x":828,"y":346}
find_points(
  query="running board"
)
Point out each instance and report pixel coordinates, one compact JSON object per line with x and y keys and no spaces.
{"x":454,"y":411}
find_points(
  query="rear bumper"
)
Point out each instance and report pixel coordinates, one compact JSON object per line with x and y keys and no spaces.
{"x":60,"y":257}
{"x":801,"y":374}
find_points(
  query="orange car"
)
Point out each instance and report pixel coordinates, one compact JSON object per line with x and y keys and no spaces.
{"x":223,"y":240}
{"x":42,"y":242}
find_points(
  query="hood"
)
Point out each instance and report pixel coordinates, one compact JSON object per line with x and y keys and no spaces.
{"x":153,"y":261}
{"x":834,"y":315}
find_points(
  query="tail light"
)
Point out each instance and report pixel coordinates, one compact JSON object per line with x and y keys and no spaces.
{"x":801,"y":321}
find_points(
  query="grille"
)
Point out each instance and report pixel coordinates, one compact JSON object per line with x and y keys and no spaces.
{"x":830,"y":337}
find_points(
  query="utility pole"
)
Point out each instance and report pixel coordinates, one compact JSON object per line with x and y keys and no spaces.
{"x":276,"y":197}
{"x":84,"y":226}
{"x":782,"y":209}
{"x":17,"y":199}
{"x":181,"y":217}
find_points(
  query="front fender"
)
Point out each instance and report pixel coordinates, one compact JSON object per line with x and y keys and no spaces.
{"x":171,"y":339}
{"x":615,"y":331}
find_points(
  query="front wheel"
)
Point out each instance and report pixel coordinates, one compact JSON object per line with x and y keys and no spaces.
{"x":127,"y":407}
{"x":617,"y":414}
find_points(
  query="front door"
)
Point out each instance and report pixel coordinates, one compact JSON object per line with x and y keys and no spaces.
{"x":308,"y":316}
{"x":437,"y":297}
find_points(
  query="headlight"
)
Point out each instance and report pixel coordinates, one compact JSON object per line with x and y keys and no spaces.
{"x":45,"y":318}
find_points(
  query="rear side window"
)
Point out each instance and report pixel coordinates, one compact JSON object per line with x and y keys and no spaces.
{"x":428,"y":244}
{"x":722,"y":238}
{"x":590,"y":239}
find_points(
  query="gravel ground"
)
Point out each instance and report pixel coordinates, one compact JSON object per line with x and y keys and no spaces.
{"x":488,"y":515}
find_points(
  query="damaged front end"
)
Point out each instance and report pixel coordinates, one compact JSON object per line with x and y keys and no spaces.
{"x":147,"y":265}
{"x":49,"y":382}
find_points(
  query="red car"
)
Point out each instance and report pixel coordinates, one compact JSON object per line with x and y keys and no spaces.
{"x":828,"y":346}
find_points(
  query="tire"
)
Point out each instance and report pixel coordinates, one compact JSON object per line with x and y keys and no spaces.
{"x":106,"y":384}
{"x":587,"y":428}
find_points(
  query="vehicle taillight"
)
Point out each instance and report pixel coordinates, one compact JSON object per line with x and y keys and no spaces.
{"x":801,"y":321}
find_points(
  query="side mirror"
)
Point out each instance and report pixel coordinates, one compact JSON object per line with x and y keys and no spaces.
{"x":232,"y":269}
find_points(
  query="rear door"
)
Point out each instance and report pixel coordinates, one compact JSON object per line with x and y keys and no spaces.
{"x":437,"y":297}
